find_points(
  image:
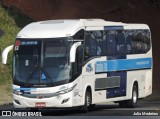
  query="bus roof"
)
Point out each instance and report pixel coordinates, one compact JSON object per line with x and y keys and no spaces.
{"x":64,"y":28}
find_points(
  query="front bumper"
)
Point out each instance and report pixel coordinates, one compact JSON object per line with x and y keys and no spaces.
{"x":60,"y":101}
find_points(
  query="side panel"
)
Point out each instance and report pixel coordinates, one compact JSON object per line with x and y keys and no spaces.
{"x":116,"y":49}
{"x":77,"y":93}
{"x":112,"y":76}
{"x":89,"y":78}
{"x":121,"y":90}
{"x":143,"y":77}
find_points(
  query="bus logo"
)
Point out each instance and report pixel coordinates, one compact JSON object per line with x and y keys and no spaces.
{"x":39,"y":96}
{"x":89,"y":68}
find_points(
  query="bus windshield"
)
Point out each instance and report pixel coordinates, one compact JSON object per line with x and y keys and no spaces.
{"x":41,"y":62}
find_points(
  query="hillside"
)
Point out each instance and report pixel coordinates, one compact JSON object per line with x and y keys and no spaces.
{"x":10,"y":27}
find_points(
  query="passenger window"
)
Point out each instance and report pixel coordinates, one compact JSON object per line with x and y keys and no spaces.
{"x":111,"y":42}
{"x":90,"y":45}
{"x":146,"y":41}
{"x":137,"y":41}
{"x":99,"y":39}
{"x":128,"y":44}
{"x":121,"y":49}
{"x":93,"y":44}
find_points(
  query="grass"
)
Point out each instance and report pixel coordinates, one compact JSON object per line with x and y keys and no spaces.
{"x":11,"y":21}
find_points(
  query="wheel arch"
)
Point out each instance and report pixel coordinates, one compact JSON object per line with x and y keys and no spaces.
{"x":87,"y":88}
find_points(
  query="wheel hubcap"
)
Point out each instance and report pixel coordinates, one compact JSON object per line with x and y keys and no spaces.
{"x":88,"y":100}
{"x":134,"y":97}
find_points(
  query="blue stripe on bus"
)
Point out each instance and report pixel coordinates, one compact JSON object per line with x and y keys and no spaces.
{"x":25,"y":89}
{"x":123,"y":64}
{"x":113,"y":28}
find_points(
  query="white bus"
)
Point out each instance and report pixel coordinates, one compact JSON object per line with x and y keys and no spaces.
{"x":79,"y":63}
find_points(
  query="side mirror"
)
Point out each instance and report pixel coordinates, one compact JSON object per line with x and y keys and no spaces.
{"x":5,"y":54}
{"x":73,"y":51}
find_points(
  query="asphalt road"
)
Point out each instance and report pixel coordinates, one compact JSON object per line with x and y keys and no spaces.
{"x":147,"y":109}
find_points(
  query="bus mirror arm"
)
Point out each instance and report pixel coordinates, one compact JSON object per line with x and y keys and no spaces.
{"x":73,"y":51}
{"x":5,"y":54}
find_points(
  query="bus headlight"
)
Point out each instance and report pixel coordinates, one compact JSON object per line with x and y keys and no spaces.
{"x":67,"y":90}
{"x":63,"y":92}
{"x":17,"y":92}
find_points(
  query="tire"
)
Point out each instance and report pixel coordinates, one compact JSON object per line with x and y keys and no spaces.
{"x":133,"y":102}
{"x":87,"y":103}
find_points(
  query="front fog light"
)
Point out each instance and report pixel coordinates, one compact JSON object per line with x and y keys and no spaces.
{"x":16,"y":101}
{"x":65,"y":100}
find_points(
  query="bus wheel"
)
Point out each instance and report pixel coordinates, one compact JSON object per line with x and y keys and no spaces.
{"x":87,"y":103}
{"x":133,"y":102}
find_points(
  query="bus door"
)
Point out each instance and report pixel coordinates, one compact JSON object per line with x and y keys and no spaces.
{"x":115,"y":42}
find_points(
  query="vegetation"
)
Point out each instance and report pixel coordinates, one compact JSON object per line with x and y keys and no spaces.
{"x":11,"y":21}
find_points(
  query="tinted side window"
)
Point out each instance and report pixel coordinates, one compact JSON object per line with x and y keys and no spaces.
{"x":111,"y":42}
{"x":137,"y":41}
{"x":121,"y":47}
{"x":99,"y":46}
{"x":115,"y":42}
{"x":93,"y":44}
{"x":146,"y":41}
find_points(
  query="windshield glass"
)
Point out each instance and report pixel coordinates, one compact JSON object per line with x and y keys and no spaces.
{"x":42,"y":62}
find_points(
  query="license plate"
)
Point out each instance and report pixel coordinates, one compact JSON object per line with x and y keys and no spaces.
{"x":40,"y":104}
